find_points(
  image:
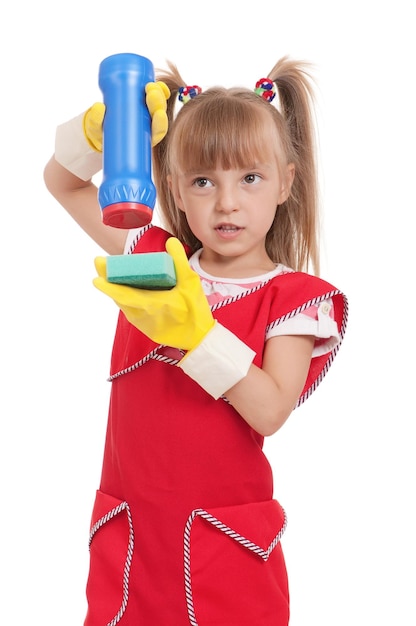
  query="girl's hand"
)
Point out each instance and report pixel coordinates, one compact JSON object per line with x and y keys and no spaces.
{"x":93,"y":126}
{"x":180,"y":317}
{"x":157,"y":95}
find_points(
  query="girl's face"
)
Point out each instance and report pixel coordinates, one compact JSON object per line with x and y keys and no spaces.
{"x":231,"y":211}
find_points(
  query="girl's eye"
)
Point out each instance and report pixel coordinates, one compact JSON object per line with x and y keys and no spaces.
{"x":202,"y":182}
{"x":251,"y":178}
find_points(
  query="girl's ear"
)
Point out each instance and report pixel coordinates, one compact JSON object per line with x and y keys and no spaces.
{"x":173,"y":187}
{"x":287,"y":183}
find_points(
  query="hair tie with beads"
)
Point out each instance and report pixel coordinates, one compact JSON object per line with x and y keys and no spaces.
{"x":187,"y":93}
{"x":265,"y":88}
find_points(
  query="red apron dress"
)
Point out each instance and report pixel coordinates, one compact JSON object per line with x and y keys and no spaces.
{"x":185,"y":529}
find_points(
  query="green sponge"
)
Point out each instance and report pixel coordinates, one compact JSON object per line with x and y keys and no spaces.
{"x":150,"y":270}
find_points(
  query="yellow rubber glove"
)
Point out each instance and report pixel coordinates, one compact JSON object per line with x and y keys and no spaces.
{"x":157,"y":95}
{"x":179,"y":317}
{"x":93,"y":126}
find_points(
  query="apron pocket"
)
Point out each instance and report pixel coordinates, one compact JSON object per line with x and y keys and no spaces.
{"x":235,"y":572}
{"x":111,"y":549}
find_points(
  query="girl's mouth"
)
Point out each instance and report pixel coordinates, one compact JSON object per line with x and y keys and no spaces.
{"x":227,"y":230}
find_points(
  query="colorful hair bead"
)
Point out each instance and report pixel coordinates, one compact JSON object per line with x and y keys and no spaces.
{"x":187,"y":93}
{"x":266,"y":89}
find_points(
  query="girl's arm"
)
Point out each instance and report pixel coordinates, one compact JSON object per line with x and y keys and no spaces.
{"x":79,"y":198}
{"x":78,"y":147}
{"x":216,"y":358}
{"x":266,"y":397}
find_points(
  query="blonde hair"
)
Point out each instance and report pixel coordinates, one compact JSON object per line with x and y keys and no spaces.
{"x":225,"y":127}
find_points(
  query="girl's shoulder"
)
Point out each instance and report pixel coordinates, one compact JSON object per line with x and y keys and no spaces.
{"x":148,"y":238}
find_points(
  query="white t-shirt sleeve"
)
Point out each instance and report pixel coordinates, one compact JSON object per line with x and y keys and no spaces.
{"x":316,"y":320}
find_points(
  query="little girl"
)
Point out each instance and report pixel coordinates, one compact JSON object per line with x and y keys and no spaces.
{"x":185,"y":528}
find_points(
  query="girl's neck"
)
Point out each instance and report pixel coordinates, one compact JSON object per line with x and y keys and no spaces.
{"x":235,"y":266}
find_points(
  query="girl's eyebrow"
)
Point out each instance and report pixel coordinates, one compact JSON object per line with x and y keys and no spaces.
{"x":208,"y":171}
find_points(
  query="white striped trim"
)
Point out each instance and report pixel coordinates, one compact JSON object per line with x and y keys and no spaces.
{"x":167,"y":359}
{"x":133,"y":367}
{"x":126,"y":574}
{"x":246,"y":543}
{"x":239,"y":296}
{"x":151,"y":355}
{"x":138,"y":236}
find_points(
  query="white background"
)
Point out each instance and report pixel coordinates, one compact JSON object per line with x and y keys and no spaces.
{"x":344,"y":463}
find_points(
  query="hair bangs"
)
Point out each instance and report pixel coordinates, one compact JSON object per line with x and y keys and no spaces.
{"x":226,"y":131}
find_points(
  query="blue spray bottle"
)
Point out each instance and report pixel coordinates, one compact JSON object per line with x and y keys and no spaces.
{"x":127,"y":194}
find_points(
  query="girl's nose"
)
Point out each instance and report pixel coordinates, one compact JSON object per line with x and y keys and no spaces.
{"x":227,"y":201}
